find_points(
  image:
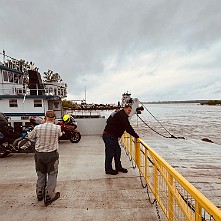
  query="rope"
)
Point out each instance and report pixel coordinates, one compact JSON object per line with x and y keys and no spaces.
{"x":156,"y":119}
{"x":151,"y":127}
{"x":171,"y":135}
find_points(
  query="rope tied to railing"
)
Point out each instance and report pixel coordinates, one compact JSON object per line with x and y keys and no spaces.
{"x":171,"y":135}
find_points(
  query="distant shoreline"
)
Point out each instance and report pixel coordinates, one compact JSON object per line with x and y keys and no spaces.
{"x":86,"y":107}
{"x":202,"y":102}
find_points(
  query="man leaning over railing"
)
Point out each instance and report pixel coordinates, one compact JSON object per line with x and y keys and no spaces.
{"x":114,"y":129}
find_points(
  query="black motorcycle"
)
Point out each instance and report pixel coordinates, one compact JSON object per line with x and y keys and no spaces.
{"x":19,"y":145}
{"x":14,"y":142}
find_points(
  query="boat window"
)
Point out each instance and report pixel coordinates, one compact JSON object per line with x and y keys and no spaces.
{"x":20,"y":79}
{"x":5,"y":75}
{"x":56,"y":104}
{"x":65,"y":93}
{"x":50,"y":105}
{"x":10,"y":76}
{"x":25,"y":118}
{"x":16,"y":76}
{"x":61,"y":92}
{"x":37,"y":103}
{"x":13,"y":103}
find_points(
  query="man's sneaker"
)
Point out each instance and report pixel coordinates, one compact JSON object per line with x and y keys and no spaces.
{"x":112,"y":172}
{"x":123,"y":170}
{"x":49,"y":201}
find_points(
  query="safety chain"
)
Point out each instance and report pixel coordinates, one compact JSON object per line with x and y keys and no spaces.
{"x":130,"y":158}
{"x":148,"y":194}
{"x":133,"y":166}
{"x":144,"y":185}
{"x":153,"y":202}
{"x":157,"y":209}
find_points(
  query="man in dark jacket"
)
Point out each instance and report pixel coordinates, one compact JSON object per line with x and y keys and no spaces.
{"x":116,"y":125}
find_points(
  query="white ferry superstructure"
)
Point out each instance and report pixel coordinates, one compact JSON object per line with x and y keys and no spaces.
{"x":19,"y":101}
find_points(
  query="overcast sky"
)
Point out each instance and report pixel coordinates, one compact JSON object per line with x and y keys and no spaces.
{"x":155,"y":49}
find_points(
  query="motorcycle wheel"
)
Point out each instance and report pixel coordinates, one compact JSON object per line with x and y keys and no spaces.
{"x":24,"y":144}
{"x":75,"y":137}
{"x":4,"y":153}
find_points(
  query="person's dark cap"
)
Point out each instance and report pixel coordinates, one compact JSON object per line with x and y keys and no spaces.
{"x":50,"y":114}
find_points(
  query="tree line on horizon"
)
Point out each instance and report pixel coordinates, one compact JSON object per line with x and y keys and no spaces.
{"x":212,"y":102}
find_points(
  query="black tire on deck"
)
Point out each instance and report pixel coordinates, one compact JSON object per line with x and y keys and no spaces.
{"x":75,"y":137}
{"x":4,"y":153}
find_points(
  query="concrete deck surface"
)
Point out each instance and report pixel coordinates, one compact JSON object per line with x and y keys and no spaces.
{"x":87,"y":193}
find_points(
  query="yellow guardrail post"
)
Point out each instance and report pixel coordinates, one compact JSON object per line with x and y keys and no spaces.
{"x":131,"y":144}
{"x":124,"y":140}
{"x":146,"y":165}
{"x":156,"y":181}
{"x":198,"y":212}
{"x":170,"y":199}
{"x":137,"y":152}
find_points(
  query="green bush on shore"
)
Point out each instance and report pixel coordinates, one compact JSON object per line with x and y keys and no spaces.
{"x":214,"y":102}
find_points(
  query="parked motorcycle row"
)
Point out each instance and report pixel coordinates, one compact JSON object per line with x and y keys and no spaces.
{"x":14,"y":142}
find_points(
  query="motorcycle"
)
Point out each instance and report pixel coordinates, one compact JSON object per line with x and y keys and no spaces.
{"x":3,"y":147}
{"x":13,"y":142}
{"x":69,"y":131}
{"x":19,"y":145}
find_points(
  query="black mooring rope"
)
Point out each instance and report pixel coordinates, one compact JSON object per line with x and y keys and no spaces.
{"x":156,"y":119}
{"x":171,"y":135}
{"x":151,"y":127}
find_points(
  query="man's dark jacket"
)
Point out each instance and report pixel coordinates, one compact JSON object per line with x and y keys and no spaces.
{"x":118,"y":123}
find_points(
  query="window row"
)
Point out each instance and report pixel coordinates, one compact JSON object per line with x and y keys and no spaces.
{"x":12,"y":77}
{"x":14,"y":103}
{"x":37,"y":103}
{"x":56,"y":91}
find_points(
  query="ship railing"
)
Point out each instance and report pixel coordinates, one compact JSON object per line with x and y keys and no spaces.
{"x":19,"y":90}
{"x":35,"y":91}
{"x":13,"y":91}
{"x":178,"y":199}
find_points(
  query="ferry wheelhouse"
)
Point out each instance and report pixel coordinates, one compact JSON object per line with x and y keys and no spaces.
{"x":19,"y":101}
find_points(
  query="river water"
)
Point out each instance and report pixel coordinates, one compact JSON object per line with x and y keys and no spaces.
{"x":198,"y":161}
{"x":192,"y":121}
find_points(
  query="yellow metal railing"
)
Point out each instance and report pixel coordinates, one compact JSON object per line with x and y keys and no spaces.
{"x":178,"y":199}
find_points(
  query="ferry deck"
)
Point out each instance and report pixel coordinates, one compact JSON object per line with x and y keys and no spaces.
{"x":87,"y":193}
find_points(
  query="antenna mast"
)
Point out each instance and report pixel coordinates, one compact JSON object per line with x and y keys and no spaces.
{"x":85,"y":94}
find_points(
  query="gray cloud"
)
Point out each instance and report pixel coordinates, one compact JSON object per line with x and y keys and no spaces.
{"x":95,"y":43}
